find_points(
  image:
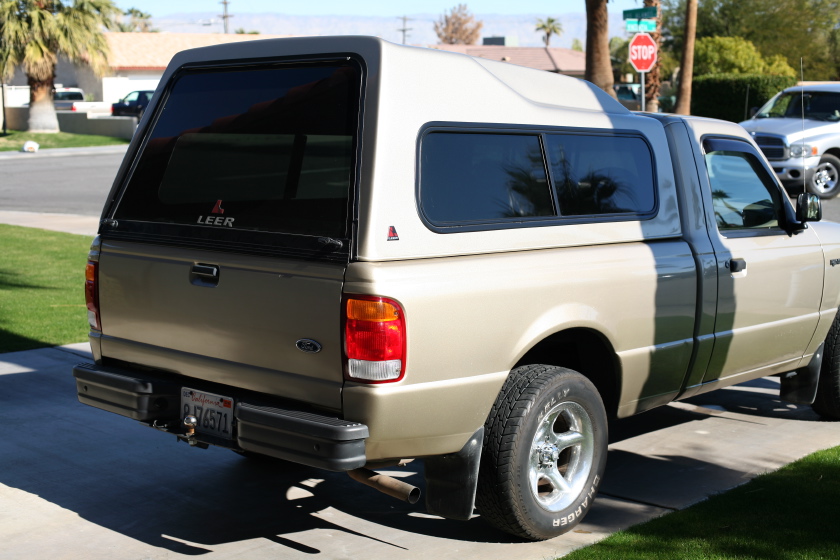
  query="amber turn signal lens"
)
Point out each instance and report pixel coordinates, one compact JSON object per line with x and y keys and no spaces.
{"x":374,"y":311}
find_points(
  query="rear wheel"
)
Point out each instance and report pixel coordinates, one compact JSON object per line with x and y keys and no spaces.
{"x":544,"y":453}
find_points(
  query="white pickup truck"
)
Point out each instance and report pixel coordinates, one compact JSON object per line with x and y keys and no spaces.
{"x":799,"y":132}
{"x":348,"y":253}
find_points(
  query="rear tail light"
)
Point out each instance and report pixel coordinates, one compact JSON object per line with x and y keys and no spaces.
{"x":374,"y":339}
{"x":92,"y":286}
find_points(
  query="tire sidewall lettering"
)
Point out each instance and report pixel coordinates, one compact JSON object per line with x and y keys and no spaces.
{"x":576,"y":392}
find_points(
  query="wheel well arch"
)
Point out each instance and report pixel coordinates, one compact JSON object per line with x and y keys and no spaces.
{"x":586,"y":351}
{"x":833,"y":151}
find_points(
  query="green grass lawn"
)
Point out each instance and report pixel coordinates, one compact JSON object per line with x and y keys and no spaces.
{"x":793,"y":513}
{"x":42,"y":298}
{"x":14,"y":140}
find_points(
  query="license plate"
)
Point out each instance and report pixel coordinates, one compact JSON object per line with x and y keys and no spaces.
{"x":214,"y":412}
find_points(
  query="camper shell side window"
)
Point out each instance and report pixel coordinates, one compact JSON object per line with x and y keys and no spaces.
{"x":489,"y":179}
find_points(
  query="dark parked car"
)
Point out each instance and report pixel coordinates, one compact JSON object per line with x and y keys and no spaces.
{"x":132,"y":105}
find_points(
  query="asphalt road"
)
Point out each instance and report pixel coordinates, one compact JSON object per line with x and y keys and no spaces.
{"x":80,"y":184}
{"x":65,"y":185}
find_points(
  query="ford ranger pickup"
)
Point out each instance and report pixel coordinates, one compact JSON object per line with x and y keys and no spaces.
{"x":347,"y":253}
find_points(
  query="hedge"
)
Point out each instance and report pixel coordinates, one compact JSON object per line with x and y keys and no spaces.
{"x":724,"y":96}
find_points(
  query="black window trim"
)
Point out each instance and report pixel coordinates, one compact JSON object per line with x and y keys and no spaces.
{"x":536,"y":221}
{"x":742,"y":145}
{"x":255,"y":243}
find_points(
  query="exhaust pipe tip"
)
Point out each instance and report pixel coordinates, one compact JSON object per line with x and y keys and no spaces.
{"x":386,"y":484}
{"x":413,"y":495}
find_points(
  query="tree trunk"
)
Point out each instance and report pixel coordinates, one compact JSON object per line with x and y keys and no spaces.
{"x":687,"y":65}
{"x":42,"y":117}
{"x":653,"y":80}
{"x":598,"y":63}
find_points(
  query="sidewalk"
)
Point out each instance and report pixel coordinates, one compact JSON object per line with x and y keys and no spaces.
{"x":77,"y":482}
{"x":66,"y":152}
{"x":67,"y":223}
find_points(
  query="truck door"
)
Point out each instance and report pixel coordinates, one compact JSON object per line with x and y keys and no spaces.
{"x":769,"y":282}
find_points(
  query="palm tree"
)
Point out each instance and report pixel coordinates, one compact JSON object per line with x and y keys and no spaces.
{"x":34,"y":33}
{"x":137,"y":22}
{"x":598,"y":63}
{"x":549,"y":27}
{"x":653,"y":79}
{"x":687,"y":67}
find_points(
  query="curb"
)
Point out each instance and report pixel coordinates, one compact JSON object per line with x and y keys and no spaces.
{"x":65,"y":152}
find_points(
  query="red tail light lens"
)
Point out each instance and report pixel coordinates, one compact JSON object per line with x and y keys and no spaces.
{"x":374,"y":339}
{"x":92,"y":294}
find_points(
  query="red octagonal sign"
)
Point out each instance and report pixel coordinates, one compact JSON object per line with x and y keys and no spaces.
{"x":642,"y":52}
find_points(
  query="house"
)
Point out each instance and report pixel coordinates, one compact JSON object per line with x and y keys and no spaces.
{"x":137,"y":60}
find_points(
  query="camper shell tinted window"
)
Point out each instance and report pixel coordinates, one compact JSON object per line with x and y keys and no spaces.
{"x":506,"y":178}
{"x":483,"y":177}
{"x":249,"y":150}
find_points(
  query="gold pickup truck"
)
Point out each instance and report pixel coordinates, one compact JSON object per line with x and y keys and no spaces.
{"x":347,"y":253}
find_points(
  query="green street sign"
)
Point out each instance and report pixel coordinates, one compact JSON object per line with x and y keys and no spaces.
{"x":641,"y":13}
{"x":640,"y":25}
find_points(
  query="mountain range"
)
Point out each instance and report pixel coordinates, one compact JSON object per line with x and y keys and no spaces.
{"x":519,"y":28}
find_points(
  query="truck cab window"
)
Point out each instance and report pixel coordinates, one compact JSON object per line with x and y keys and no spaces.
{"x":744,"y":197}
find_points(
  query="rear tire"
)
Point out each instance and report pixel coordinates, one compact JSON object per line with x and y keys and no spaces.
{"x":545,"y":449}
{"x":827,"y":403}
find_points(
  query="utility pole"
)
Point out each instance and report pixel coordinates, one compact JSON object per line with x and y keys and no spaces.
{"x":404,"y":29}
{"x":3,"y":93}
{"x":225,"y":16}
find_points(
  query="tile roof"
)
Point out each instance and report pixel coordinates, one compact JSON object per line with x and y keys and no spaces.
{"x":153,"y":51}
{"x":565,"y":61}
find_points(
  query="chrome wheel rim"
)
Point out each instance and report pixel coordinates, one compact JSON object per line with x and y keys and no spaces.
{"x":561,"y":456}
{"x":825,"y":177}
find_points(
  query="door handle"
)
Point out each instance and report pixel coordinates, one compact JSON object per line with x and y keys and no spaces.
{"x":206,"y":270}
{"x":204,"y":275}
{"x":736,"y":265}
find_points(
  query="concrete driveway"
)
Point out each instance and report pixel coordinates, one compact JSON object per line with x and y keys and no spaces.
{"x":79,"y":483}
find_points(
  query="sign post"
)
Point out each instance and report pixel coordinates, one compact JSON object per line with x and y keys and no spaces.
{"x":642,"y":57}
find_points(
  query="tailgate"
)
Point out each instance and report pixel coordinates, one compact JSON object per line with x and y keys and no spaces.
{"x":161,"y":309}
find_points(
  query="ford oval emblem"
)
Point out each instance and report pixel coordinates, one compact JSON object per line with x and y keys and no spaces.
{"x":308,"y":345}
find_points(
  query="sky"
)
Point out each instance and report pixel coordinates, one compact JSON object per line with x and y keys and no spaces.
{"x":550,"y":8}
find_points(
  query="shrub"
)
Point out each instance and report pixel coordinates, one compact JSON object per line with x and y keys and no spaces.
{"x":736,"y":55}
{"x":726,"y":96}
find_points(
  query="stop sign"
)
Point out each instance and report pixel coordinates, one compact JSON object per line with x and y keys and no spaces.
{"x":642,"y":52}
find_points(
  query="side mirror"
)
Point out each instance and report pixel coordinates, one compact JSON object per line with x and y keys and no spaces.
{"x":753,"y":111}
{"x":808,"y":208}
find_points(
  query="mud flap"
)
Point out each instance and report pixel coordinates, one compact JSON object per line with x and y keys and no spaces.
{"x":800,"y":386}
{"x":451,"y":480}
